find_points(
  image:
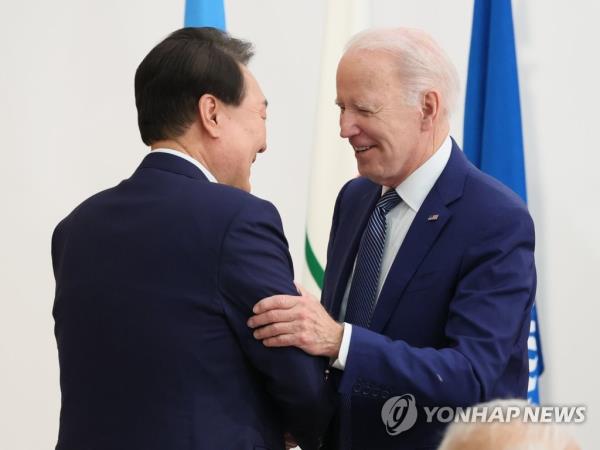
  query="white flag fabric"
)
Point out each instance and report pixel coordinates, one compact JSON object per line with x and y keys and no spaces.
{"x":333,"y":161}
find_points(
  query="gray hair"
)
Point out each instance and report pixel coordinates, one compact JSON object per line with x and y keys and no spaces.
{"x":422,"y":63}
{"x":514,"y":434}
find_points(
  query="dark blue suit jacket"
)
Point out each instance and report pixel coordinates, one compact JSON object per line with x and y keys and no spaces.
{"x":451,"y":323}
{"x":155,"y":279}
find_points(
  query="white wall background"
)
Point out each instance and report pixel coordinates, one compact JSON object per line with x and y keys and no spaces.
{"x":67,"y":119}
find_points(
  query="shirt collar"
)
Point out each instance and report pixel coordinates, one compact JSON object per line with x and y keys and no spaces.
{"x":187,"y":157}
{"x":416,"y":187}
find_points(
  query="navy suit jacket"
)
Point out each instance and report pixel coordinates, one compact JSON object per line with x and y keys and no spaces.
{"x":155,"y":280}
{"x":452,"y":320}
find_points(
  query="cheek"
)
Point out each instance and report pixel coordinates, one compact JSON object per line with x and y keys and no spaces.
{"x":260,"y":130}
{"x":253,"y":131}
{"x":378,"y":132}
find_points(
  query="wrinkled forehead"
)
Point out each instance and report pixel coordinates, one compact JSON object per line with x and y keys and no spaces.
{"x":368,"y":69}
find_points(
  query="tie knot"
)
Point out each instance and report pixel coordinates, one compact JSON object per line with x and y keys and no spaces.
{"x":388,"y":201}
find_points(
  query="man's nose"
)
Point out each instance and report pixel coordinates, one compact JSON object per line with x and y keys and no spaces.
{"x":348,"y":127}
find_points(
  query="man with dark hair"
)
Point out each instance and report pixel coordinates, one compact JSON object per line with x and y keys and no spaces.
{"x":156,"y":277}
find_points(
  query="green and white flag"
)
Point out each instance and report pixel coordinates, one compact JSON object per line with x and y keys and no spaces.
{"x":333,"y":161}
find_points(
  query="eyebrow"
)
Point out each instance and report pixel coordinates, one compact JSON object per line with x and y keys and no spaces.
{"x":369,"y":107}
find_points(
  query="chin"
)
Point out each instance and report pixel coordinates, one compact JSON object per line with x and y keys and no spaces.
{"x":379,"y":178}
{"x":370,"y":174}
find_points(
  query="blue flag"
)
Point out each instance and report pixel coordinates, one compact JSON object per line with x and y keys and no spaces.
{"x":493,"y":138}
{"x":205,"y":13}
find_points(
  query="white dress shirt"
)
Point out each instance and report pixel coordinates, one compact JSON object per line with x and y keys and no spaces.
{"x":187,"y":157}
{"x":413,"y":192}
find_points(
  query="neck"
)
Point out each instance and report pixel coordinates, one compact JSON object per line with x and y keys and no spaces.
{"x":439,"y":136}
{"x":432,"y":143}
{"x":181,"y":146}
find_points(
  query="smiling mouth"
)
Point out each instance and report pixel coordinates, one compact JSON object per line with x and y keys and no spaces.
{"x":362,"y":149}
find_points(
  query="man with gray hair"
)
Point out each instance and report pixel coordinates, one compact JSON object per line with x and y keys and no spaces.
{"x":430,"y":276}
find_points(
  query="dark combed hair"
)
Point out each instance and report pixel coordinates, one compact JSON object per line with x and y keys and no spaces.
{"x":171,"y":79}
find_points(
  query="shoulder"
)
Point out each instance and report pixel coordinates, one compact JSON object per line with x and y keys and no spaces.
{"x":462,"y":181}
{"x":463,"y":186}
{"x":188,"y":198}
{"x":490,"y":210}
{"x":241,"y":204}
{"x":482,"y":208}
{"x":86,"y":205}
{"x":239,"y":214}
{"x":490,"y":196}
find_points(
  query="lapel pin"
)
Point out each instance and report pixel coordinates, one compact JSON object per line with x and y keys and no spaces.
{"x":433,"y":217}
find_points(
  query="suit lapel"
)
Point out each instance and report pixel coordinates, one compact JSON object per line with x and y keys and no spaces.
{"x":421,"y":236}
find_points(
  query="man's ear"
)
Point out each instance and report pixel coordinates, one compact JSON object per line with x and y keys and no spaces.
{"x":208,"y":109}
{"x":430,"y":110}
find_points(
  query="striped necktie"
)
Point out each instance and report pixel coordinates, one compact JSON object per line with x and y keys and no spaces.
{"x":363,"y":291}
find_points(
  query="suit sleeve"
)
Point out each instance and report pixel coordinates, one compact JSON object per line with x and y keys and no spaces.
{"x":255,"y":263}
{"x":488,"y":312}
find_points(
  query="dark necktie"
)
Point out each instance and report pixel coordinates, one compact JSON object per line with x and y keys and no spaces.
{"x":363,"y":291}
